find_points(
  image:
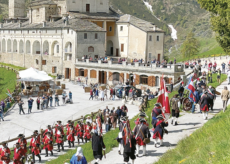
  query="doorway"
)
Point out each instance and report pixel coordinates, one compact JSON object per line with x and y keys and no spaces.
{"x":102,"y":77}
{"x":87,"y":7}
{"x":117,"y":52}
{"x":159,"y":57}
{"x":131,"y":79}
{"x":67,"y":73}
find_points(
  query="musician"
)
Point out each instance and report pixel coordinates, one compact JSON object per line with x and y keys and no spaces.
{"x":87,"y":134}
{"x":58,"y":125}
{"x":98,"y":145}
{"x":38,"y":137}
{"x":129,"y":149}
{"x":4,"y":154}
{"x":79,"y":131}
{"x":34,"y":147}
{"x":159,"y":130}
{"x":204,"y":104}
{"x":212,"y":97}
{"x":70,"y":135}
{"x":68,"y":123}
{"x":141,"y":132}
{"x":48,"y":143}
{"x":59,"y":138}
{"x":49,"y":129}
{"x":155,"y":112}
{"x":175,"y":102}
{"x":121,"y":133}
{"x":142,"y":115}
{"x":19,"y":154}
{"x":22,"y":141}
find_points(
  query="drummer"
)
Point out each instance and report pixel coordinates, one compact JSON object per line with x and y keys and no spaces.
{"x":5,"y":154}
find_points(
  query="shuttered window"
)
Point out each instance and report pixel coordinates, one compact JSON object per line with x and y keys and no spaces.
{"x":43,"y":62}
{"x":122,"y":47}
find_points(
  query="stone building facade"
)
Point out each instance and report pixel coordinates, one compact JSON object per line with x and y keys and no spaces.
{"x":56,"y":33}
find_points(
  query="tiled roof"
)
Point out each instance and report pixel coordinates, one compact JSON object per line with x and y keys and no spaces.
{"x":139,"y":23}
{"x":97,"y":16}
{"x":41,"y":2}
{"x":75,"y":24}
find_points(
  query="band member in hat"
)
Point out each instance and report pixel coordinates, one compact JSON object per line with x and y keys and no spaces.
{"x":48,"y":143}
{"x":87,"y":134}
{"x":34,"y":146}
{"x":70,"y":135}
{"x":121,"y":133}
{"x":68,"y":123}
{"x":141,"y":132}
{"x":49,"y":129}
{"x":155,"y":112}
{"x":59,"y":138}
{"x":22,"y":141}
{"x":129,"y":149}
{"x":97,"y":146}
{"x":159,"y":130}
{"x":38,"y":137}
{"x":19,"y":154}
{"x":175,"y":103}
{"x":142,"y":115}
{"x":79,"y":131}
{"x":204,"y":104}
{"x":58,"y":125}
{"x":5,"y":154}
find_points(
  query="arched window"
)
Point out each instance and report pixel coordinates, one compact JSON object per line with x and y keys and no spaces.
{"x":144,"y":79}
{"x":90,"y":49}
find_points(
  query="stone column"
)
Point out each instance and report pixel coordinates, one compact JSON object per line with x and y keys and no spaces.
{"x":105,"y":28}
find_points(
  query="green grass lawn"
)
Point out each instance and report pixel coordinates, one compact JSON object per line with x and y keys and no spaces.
{"x":7,"y":81}
{"x":18,"y":68}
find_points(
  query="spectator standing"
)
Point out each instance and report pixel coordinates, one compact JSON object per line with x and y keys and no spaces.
{"x":197,"y":97}
{"x":111,"y":93}
{"x":38,"y":103}
{"x":223,"y":67}
{"x":96,"y":93}
{"x":130,"y":93}
{"x":102,"y":94}
{"x":41,"y":103}
{"x":20,"y":103}
{"x":63,"y":97}
{"x":91,"y":94}
{"x":51,"y":100}
{"x":30,"y":105}
{"x":171,"y":86}
{"x":3,"y":104}
{"x":56,"y":99}
{"x":1,"y":113}
{"x":107,"y":122}
{"x":225,"y":95}
{"x":181,"y":89}
{"x":106,"y":110}
{"x":118,"y":112}
{"x":78,"y":158}
{"x":218,"y":75}
{"x":70,"y":95}
{"x":114,"y":94}
{"x":174,"y":61}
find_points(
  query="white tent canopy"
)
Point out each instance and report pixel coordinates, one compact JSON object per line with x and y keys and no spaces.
{"x":33,"y":75}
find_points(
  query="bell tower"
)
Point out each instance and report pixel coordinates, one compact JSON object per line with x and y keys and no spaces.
{"x":16,"y":8}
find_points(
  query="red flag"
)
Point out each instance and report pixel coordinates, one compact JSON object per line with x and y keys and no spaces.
{"x":164,"y":99}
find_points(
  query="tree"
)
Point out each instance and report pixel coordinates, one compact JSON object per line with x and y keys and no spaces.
{"x":220,"y":20}
{"x":190,"y":46}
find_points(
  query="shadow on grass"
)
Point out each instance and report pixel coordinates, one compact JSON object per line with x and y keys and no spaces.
{"x":177,"y":131}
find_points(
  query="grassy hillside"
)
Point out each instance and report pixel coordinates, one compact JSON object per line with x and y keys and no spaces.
{"x":210,"y":144}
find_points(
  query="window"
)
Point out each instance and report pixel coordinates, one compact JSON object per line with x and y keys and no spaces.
{"x":150,"y":55}
{"x":122,"y":47}
{"x":81,"y":72}
{"x":43,"y":62}
{"x":158,"y":38}
{"x":37,"y":61}
{"x":144,"y":79}
{"x":96,"y":37}
{"x":150,"y":37}
{"x":54,"y":69}
{"x":90,"y":49}
{"x":85,"y":35}
{"x":110,"y":28}
{"x":121,"y":28}
{"x":57,"y":48}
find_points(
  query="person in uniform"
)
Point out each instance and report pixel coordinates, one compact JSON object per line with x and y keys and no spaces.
{"x":159,"y":130}
{"x":34,"y":147}
{"x":70,"y":135}
{"x":97,"y":146}
{"x":87,"y":134}
{"x":212,"y":97}
{"x":121,"y":133}
{"x":155,"y":112}
{"x":209,"y":76}
{"x":59,"y":138}
{"x":124,"y":108}
{"x":175,"y":103}
{"x":49,"y":129}
{"x":181,"y":89}
{"x":58,"y":125}
{"x":129,"y":149}
{"x":68,"y":123}
{"x":19,"y":154}
{"x":204,"y":104}
{"x":4,"y":154}
{"x":141,"y":132}
{"x":79,"y":131}
{"x":48,"y":143}
{"x":22,"y":141}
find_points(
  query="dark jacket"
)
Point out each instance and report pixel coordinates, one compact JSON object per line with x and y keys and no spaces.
{"x":118,"y":111}
{"x":144,"y":129}
{"x":97,"y":143}
{"x":159,"y":127}
{"x":127,"y":147}
{"x":181,"y":89}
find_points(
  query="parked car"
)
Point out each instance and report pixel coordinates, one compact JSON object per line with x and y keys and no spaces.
{"x":123,"y":87}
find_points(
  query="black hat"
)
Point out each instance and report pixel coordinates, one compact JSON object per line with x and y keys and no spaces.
{"x":142,"y":120}
{"x":48,"y":133}
{"x":70,"y":125}
{"x":142,"y":114}
{"x":158,"y":104}
{"x":123,"y":119}
{"x":20,"y":135}
{"x":69,"y":121}
{"x":205,"y":92}
{"x":17,"y":143}
{"x":36,"y":131}
{"x":4,"y":143}
{"x":58,"y":121}
{"x":160,"y":116}
{"x":48,"y":126}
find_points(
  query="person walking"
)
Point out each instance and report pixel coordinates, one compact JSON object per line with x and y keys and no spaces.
{"x":20,"y":103}
{"x":51,"y":100}
{"x":30,"y":105}
{"x":97,"y":146}
{"x":42,"y":103}
{"x":91,"y":94}
{"x":181,"y":89}
{"x":38,"y":103}
{"x":107,"y":122}
{"x":228,"y":72}
{"x":3,"y":104}
{"x":70,"y":95}
{"x":223,"y":67}
{"x":111,"y":93}
{"x":1,"y":113}
{"x":196,"y":103}
{"x":114,"y":93}
{"x":56,"y":99}
{"x":118,"y":111}
{"x":79,"y":157}
{"x":218,"y":75}
{"x":225,"y":95}
{"x":102,"y":95}
{"x":63,"y":97}
{"x":175,"y":103}
{"x":47,"y":102}
{"x":205,"y":104}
